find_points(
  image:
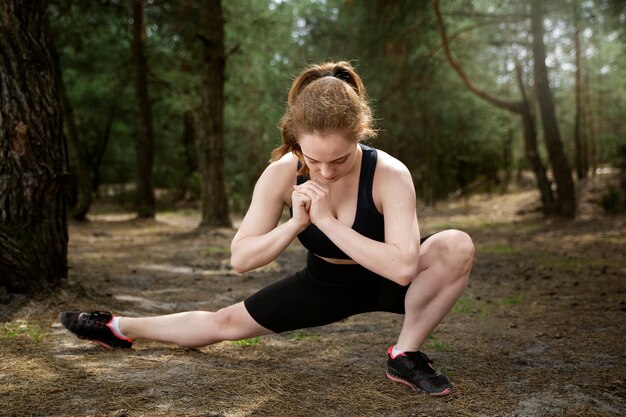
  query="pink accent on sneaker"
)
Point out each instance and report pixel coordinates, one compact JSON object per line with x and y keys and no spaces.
{"x":100,"y":343}
{"x":443,"y":393}
{"x":402,"y":381}
{"x":390,"y":352}
{"x":115,"y":333}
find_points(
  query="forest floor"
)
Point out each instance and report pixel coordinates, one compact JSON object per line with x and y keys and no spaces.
{"x":539,"y":331}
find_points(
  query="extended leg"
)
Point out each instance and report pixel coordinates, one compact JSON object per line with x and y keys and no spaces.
{"x":195,"y":328}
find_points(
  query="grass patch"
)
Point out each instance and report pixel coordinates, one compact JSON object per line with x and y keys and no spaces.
{"x":253,"y":341}
{"x":301,"y":336}
{"x":20,"y":328}
{"x":434,"y":344}
{"x":467,"y":305}
{"x":511,"y":301}
{"x":500,"y":249}
{"x":570,"y":263}
{"x":216,"y":250}
{"x":466,"y":224}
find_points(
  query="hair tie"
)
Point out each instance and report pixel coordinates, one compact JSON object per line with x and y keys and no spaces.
{"x":345,"y":76}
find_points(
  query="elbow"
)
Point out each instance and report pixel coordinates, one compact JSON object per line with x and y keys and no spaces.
{"x":404,"y":276}
{"x":238,"y":262}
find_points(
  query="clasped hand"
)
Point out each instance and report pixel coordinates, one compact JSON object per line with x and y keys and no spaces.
{"x":311,"y":201}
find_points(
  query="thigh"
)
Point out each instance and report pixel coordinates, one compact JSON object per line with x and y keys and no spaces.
{"x":239,"y":324}
{"x":389,"y":296}
{"x":296,"y":303}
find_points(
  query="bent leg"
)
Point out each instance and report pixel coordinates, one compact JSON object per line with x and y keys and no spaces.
{"x":195,"y":328}
{"x":445,"y":262}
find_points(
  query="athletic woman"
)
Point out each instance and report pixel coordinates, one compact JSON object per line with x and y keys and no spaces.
{"x":354,"y":208}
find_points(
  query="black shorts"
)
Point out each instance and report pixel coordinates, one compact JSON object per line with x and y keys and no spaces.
{"x":323,"y":293}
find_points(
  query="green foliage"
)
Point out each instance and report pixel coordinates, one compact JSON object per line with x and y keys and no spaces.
{"x":452,"y":142}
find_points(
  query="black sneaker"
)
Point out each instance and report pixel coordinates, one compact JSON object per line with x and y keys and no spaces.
{"x":94,"y":326}
{"x":415,"y":370}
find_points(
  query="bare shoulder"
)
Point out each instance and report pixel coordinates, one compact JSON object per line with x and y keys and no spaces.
{"x":279,"y":177}
{"x":389,"y":168}
{"x":392,"y":181}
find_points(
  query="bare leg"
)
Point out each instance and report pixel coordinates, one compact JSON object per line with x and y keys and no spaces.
{"x":195,"y":328}
{"x":444,"y":265}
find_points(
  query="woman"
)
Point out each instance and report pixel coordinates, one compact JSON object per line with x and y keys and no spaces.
{"x":353,"y":208}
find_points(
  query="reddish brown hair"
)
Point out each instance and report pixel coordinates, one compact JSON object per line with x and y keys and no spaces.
{"x":325,"y":97}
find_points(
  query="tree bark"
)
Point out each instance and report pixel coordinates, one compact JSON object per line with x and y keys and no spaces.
{"x":566,"y":196}
{"x":214,"y":201}
{"x":33,"y":154}
{"x":518,"y":107}
{"x":145,"y":135}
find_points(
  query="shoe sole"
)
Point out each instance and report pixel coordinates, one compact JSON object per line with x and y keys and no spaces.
{"x":396,"y":378}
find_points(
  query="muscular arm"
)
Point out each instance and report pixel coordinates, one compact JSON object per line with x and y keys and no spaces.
{"x":260,"y":239}
{"x":396,"y":258}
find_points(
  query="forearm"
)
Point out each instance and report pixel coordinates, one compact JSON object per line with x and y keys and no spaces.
{"x":252,"y":252}
{"x":390,"y":261}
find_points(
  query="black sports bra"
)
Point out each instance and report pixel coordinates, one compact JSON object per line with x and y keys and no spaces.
{"x":367,"y":221}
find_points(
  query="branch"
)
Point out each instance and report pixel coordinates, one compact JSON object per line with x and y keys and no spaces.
{"x":505,"y":16}
{"x":458,"y":33}
{"x":233,"y":50}
{"x":514,"y":107}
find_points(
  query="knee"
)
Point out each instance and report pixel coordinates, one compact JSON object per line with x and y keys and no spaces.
{"x":457,"y":250}
{"x":223,"y":318}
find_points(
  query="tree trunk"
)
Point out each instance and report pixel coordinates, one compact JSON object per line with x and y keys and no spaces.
{"x":531,"y":150}
{"x":188,"y":141}
{"x":566,"y":197}
{"x":145,"y":135}
{"x":97,"y":155}
{"x":33,"y":154}
{"x":214,"y":201}
{"x":579,"y":137}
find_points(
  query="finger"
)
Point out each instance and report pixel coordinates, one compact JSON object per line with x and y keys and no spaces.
{"x":312,"y":189}
{"x":316,"y":183}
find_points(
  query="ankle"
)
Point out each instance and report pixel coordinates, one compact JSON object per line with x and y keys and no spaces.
{"x":117,"y":327}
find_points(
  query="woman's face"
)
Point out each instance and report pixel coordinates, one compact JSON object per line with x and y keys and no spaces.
{"x":329,"y":155}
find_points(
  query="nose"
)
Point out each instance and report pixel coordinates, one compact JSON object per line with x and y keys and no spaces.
{"x":327,"y":172}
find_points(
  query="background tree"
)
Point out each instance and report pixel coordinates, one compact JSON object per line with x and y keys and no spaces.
{"x":146,"y":205}
{"x":214,"y":202}
{"x":452,"y":143}
{"x":522,"y":107}
{"x":33,"y":153}
{"x":561,"y":168}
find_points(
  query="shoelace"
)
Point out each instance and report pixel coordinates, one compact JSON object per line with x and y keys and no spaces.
{"x":94,"y":318}
{"x":421,"y":361}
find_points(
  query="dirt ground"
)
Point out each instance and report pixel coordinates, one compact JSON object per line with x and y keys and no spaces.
{"x":539,"y":332}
